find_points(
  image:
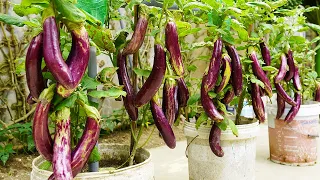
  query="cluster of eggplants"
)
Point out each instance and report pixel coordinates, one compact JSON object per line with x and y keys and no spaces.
{"x":230,"y":69}
{"x":282,"y":96}
{"x":68,"y":74}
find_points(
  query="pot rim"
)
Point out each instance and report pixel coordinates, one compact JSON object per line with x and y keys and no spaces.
{"x":85,"y":174}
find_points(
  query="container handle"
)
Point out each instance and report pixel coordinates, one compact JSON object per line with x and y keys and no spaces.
{"x":186,"y":152}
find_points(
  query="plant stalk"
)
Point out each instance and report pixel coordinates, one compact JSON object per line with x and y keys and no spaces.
{"x":239,"y":108}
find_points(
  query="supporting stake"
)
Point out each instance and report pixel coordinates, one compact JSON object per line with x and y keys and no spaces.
{"x":92,"y":72}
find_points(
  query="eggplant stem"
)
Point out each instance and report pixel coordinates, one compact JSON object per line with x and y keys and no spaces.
{"x":240,"y":107}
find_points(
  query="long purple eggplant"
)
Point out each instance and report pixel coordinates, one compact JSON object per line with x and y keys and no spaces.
{"x":162,"y":124}
{"x":137,"y":37}
{"x":317,"y":93}
{"x":40,"y":131}
{"x":236,"y":73}
{"x":183,"y":93}
{"x":295,"y":109}
{"x":226,"y":73}
{"x":282,"y":70}
{"x":170,"y":100}
{"x":153,"y":82}
{"x":214,"y":140}
{"x":296,"y":79}
{"x":78,"y":59}
{"x":208,"y":104}
{"x":257,"y":70}
{"x":52,"y":54}
{"x":214,"y":66}
{"x":172,"y":44}
{"x":228,"y":97}
{"x":61,"y":149}
{"x":291,"y":65}
{"x":284,"y":95}
{"x":281,"y":105}
{"x":257,"y":103}
{"x":265,"y":53}
{"x":124,"y":79}
{"x":34,"y":76}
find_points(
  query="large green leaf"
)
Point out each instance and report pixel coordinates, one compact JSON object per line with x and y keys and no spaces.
{"x":69,"y":11}
{"x":112,"y":92}
{"x":22,"y":10}
{"x":89,"y":83}
{"x":203,"y":118}
{"x":197,"y":5}
{"x":97,"y":8}
{"x":11,"y":20}
{"x":101,"y":37}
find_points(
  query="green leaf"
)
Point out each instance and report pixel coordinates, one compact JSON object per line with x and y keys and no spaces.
{"x":89,"y":83}
{"x":102,"y":37}
{"x":168,"y":3}
{"x":202,"y":118}
{"x":223,"y":125}
{"x":29,"y":2}
{"x":142,"y":72}
{"x":30,"y":142}
{"x":314,"y":27}
{"x":83,"y":97}
{"x":253,"y":79}
{"x":96,"y":8}
{"x":107,"y":73}
{"x":213,"y":3}
{"x":94,"y":156}
{"x":193,"y":99}
{"x":9,"y":148}
{"x":69,"y":11}
{"x":45,"y":165}
{"x":22,"y":10}
{"x":233,"y":127}
{"x":112,"y":92}
{"x":48,"y":75}
{"x":260,"y":4}
{"x":11,"y":20}
{"x":69,"y":102}
{"x":189,"y":31}
{"x":196,"y":5}
{"x":297,"y":40}
{"x":214,"y":18}
{"x":192,"y":68}
{"x":269,"y":68}
{"x":4,"y":158}
{"x":237,"y":26}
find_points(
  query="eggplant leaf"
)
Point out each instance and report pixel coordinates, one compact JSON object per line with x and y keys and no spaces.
{"x":112,"y":92}
{"x":193,"y":99}
{"x":89,"y":83}
{"x":142,"y":72}
{"x":203,"y":118}
{"x":11,"y":20}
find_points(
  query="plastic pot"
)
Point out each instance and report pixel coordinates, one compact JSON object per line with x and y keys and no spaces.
{"x":144,"y":170}
{"x":239,"y":153}
{"x":295,"y":143}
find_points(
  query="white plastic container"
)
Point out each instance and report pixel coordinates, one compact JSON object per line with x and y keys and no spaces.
{"x":239,"y":153}
{"x":294,"y":144}
{"x":142,"y":171}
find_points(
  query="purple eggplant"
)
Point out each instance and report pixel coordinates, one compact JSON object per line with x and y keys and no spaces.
{"x":257,"y":70}
{"x":291,"y":65}
{"x":214,"y":140}
{"x":208,"y":104}
{"x":282,"y":70}
{"x":40,"y":131}
{"x":226,"y":73}
{"x":183,"y":93}
{"x":154,"y":81}
{"x":162,"y":124}
{"x":295,"y":109}
{"x":170,"y":100}
{"x":236,"y":73}
{"x":317,"y":93}
{"x":124,"y":79}
{"x":137,"y":37}
{"x":172,"y":44}
{"x":281,"y":105}
{"x":52,"y":54}
{"x":265,"y":53}
{"x":257,"y":103}
{"x":34,"y":76}
{"x":82,"y":151}
{"x":284,"y":95}
{"x":228,"y":97}
{"x":296,"y":79}
{"x":61,"y":149}
{"x":78,"y":59}
{"x":214,"y":66}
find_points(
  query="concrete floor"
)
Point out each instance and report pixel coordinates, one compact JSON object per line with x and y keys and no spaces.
{"x":173,"y":164}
